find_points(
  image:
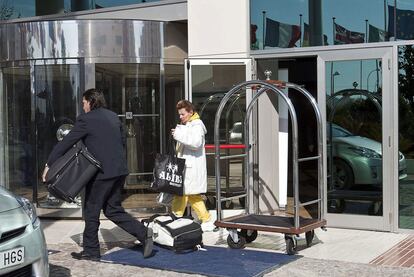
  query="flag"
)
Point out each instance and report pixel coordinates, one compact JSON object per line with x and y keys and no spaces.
{"x":253,"y":38}
{"x":344,"y":36}
{"x":405,"y":23}
{"x":306,"y":36}
{"x":376,"y":34}
{"x":282,"y":35}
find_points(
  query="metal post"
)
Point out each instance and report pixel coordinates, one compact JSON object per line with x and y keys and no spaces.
{"x":263,"y":34}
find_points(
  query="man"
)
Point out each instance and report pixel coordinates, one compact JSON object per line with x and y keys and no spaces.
{"x":102,"y":133}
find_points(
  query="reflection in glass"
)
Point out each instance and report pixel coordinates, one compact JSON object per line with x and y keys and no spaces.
{"x":406,"y":135}
{"x":20,"y":163}
{"x":354,"y":137}
{"x":133,"y":92}
{"x":209,"y":84}
{"x":56,"y":100}
{"x":300,"y":23}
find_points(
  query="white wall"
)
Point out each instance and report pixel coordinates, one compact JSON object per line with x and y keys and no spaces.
{"x":218,"y":29}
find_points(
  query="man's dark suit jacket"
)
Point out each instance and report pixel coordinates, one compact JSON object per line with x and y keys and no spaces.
{"x":102,"y":133}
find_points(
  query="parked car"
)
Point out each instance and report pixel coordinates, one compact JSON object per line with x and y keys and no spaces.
{"x":357,"y":160}
{"x":23,"y":250}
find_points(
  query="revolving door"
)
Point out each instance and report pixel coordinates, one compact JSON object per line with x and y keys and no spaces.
{"x":45,"y":69}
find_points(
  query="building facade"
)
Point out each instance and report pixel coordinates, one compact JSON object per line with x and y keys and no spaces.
{"x":355,"y":58}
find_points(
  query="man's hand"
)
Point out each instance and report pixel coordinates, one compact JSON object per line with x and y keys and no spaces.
{"x":45,"y":170}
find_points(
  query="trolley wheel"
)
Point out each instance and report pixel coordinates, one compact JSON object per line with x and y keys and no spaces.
{"x":211,"y":203}
{"x":290,"y":245}
{"x":239,"y":245}
{"x":242,"y":202}
{"x":249,"y":238}
{"x":309,"y":237}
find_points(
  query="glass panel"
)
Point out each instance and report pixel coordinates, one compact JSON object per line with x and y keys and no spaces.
{"x":174,"y":91}
{"x":299,"y":23}
{"x":209,"y":84}
{"x":406,"y":136}
{"x":18,"y":133}
{"x":11,"y":9}
{"x":404,"y":20}
{"x":114,"y":3}
{"x":132,"y":91}
{"x":354,"y":136}
{"x":56,"y":100}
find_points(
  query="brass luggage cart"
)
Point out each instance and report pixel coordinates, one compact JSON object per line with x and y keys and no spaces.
{"x":244,"y":228}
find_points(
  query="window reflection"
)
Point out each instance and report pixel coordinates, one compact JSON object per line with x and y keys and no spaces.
{"x":209,"y":84}
{"x":406,"y":135}
{"x":19,"y":160}
{"x":133,"y":92}
{"x":354,"y":137}
{"x":298,"y":23}
{"x":12,"y":9}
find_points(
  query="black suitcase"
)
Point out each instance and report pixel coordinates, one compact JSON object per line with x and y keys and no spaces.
{"x":71,"y":172}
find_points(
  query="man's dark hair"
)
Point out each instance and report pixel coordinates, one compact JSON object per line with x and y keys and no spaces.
{"x":95,"y":98}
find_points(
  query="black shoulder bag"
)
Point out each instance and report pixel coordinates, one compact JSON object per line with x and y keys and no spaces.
{"x":70,"y":173}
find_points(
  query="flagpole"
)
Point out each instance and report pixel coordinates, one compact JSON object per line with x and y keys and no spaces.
{"x":377,"y":69}
{"x":395,"y":20}
{"x":366,"y":30}
{"x":333,"y":30}
{"x":300,"y":28}
{"x":385,"y":18}
{"x":264,"y":16}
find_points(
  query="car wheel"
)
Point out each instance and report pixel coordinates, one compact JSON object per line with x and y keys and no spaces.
{"x":343,"y":175}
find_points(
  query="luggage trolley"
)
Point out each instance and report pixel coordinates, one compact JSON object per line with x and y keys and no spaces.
{"x":249,"y":223}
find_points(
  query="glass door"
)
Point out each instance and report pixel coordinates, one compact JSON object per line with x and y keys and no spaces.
{"x":208,"y":80}
{"x":16,"y":130}
{"x":133,"y":92}
{"x":355,"y":87}
{"x":56,"y":91}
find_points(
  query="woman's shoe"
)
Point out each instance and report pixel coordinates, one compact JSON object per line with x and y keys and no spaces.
{"x":208,"y":226}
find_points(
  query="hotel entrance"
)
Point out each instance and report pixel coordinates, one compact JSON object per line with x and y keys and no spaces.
{"x":137,"y":64}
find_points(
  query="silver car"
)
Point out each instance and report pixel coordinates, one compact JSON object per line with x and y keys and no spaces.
{"x":23,"y":250}
{"x":357,"y":160}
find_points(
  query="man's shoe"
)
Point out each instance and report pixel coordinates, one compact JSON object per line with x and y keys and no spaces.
{"x":148,"y":244}
{"x":85,"y":256}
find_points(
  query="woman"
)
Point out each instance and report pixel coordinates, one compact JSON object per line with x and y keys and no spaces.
{"x":190,"y":146}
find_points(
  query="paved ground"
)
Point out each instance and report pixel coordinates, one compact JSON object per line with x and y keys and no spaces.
{"x":338,"y":252}
{"x":62,"y":265}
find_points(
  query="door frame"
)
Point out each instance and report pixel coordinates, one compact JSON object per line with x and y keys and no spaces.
{"x":236,"y":61}
{"x":384,"y":222}
{"x":387,"y":51}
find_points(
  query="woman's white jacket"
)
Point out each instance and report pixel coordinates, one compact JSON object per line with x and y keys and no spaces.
{"x":190,"y":146}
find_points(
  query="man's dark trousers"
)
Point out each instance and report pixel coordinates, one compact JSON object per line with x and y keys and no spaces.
{"x":106,"y":195}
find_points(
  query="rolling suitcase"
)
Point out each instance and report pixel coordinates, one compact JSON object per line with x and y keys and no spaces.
{"x":180,"y":234}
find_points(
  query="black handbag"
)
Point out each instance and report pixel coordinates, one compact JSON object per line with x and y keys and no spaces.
{"x":70,"y":173}
{"x":168,"y":174}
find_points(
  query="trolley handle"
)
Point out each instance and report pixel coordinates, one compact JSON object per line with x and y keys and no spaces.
{"x":277,"y":83}
{"x":226,"y":146}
